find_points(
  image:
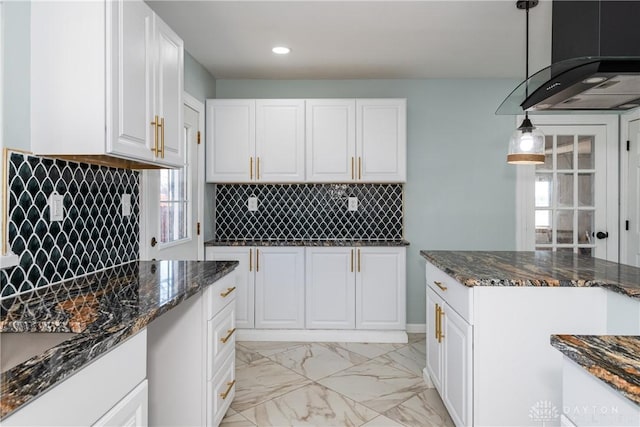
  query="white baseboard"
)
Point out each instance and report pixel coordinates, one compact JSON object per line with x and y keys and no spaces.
{"x":427,"y":378}
{"x":321,"y":335}
{"x":417,"y":328}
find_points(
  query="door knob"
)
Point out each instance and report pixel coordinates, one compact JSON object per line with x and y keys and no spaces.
{"x":153,"y":242}
{"x":602,"y":235}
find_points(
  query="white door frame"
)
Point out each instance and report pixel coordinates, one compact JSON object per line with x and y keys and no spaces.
{"x":192,"y":102}
{"x":525,"y":176}
{"x":625,"y":119}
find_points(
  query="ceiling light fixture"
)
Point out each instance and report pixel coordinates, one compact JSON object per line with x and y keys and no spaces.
{"x":526,"y":146}
{"x":281,"y":50}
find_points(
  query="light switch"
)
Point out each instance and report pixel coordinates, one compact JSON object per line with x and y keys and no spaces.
{"x":252,"y":203}
{"x":126,"y":204}
{"x":353,"y":204}
{"x":56,"y":207}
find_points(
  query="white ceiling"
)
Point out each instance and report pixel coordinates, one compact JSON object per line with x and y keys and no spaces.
{"x":360,"y":39}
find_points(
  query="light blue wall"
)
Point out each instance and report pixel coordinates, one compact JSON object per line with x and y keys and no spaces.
{"x":197,"y":80}
{"x":17,"y":62}
{"x":460,"y":192}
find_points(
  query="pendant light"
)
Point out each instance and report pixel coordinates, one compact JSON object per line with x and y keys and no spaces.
{"x":526,"y":146}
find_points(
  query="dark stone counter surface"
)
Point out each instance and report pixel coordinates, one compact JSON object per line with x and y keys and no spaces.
{"x":316,"y":242}
{"x":104,"y":308}
{"x":539,"y":268}
{"x":614,"y":360}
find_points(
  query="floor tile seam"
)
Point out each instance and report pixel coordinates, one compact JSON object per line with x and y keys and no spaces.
{"x":266,"y":400}
{"x":396,"y":365}
{"x":393,"y":407}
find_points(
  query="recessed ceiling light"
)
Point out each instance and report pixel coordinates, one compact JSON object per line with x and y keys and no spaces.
{"x":281,"y":50}
{"x":594,"y":80}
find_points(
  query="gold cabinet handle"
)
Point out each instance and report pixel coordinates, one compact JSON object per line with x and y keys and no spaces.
{"x":257,"y":259}
{"x":359,"y":167}
{"x":440,"y":334}
{"x":358,"y":260}
{"x":251,"y":167}
{"x":250,"y":259}
{"x":229,"y":387}
{"x":162,"y":138}
{"x":436,"y":319}
{"x":440,"y":285}
{"x":155,"y":124}
{"x":353,"y":168}
{"x":229,"y":333}
{"x":352,"y":260}
{"x":257,"y":168}
{"x":226,"y":294}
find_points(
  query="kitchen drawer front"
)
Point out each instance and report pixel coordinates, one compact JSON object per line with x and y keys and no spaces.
{"x":458,"y":296}
{"x":221,"y":338}
{"x":221,"y":391}
{"x":220,"y":294}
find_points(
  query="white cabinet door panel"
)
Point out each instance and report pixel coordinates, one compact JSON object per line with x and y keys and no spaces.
{"x":457,"y":345}
{"x":381,"y":139}
{"x":169,"y":93}
{"x":279,"y":288}
{"x":280,"y":140}
{"x":381,"y":288}
{"x":231,"y":135}
{"x":131,"y":411}
{"x":244,"y":279}
{"x":130,"y":87}
{"x":330,"y":288}
{"x":330,"y":141}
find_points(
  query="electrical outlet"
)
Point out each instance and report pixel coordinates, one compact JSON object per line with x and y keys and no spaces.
{"x":56,"y":207}
{"x":353,"y":204}
{"x":252,"y":203}
{"x":126,"y":204}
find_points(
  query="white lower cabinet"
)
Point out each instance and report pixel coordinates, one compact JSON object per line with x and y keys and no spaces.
{"x":190,"y":349}
{"x":112,"y":390}
{"x":488,"y":349}
{"x":130,"y":411}
{"x":279,"y":288}
{"x":327,"y":288}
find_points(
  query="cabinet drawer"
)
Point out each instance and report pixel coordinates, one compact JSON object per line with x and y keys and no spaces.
{"x":221,"y":338}
{"x":220,"y":294}
{"x":221,"y":391}
{"x":458,"y":296}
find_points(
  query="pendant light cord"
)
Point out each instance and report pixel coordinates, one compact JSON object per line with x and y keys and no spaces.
{"x":526,"y":72}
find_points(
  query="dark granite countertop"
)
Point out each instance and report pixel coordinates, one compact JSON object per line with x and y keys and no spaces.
{"x":105,"y":308}
{"x":539,"y":268}
{"x":615,"y":360}
{"x":308,"y":242}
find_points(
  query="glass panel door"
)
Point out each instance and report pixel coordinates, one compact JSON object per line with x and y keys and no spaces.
{"x":569,"y":190}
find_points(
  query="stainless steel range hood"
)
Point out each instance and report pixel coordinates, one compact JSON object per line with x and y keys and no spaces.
{"x":596,"y":61}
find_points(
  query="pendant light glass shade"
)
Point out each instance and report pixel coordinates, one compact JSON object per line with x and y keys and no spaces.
{"x":526,"y":146}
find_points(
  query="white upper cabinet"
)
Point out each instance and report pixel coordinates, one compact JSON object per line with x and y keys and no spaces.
{"x":231,"y":140}
{"x":279,"y":140}
{"x":100,"y":74}
{"x":255,"y":140}
{"x":331,"y":140}
{"x":381,"y":140}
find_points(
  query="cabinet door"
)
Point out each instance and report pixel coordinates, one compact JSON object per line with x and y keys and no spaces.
{"x":231,"y":137}
{"x":279,"y":287}
{"x":130,"y":79}
{"x":381,"y":135}
{"x":244,"y":279}
{"x":168,"y":94}
{"x":457,"y":376}
{"x":434,"y":348}
{"x":330,"y":141}
{"x":132,"y":410}
{"x":381,"y":288}
{"x":280,"y":140}
{"x":330,"y":288}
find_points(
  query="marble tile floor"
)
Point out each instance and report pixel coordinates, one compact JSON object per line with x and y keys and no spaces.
{"x":333,"y":384}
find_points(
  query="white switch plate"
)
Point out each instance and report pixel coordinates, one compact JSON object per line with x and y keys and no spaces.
{"x":252,"y":204}
{"x":126,"y":204}
{"x":56,"y":207}
{"x":353,"y":204}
